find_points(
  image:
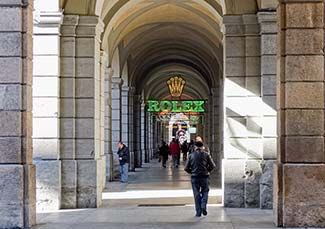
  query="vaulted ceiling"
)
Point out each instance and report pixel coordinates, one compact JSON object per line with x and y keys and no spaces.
{"x":157,"y":39}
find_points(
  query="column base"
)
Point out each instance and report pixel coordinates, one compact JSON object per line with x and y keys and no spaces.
{"x":48,"y":185}
{"x":17,"y":199}
{"x":248,"y":183}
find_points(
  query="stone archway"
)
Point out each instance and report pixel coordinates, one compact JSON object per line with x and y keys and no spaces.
{"x":92,"y":32}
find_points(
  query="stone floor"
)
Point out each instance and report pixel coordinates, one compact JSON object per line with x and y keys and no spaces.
{"x":155,"y":197}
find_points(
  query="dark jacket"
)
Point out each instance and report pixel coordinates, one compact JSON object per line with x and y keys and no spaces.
{"x":124,"y":154}
{"x":199,"y":163}
{"x":163,"y":151}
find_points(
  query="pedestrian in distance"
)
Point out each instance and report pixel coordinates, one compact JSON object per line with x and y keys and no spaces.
{"x":199,"y":165}
{"x":175,"y":150}
{"x":163,"y":153}
{"x":123,"y":154}
{"x":184,"y":148}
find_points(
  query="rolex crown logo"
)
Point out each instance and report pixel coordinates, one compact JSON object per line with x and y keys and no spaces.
{"x":176,"y":85}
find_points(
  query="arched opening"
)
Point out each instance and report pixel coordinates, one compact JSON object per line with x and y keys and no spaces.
{"x":116,"y":56}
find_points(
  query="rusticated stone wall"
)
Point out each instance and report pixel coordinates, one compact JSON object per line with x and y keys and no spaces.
{"x":249,"y":100}
{"x":17,"y":173}
{"x":300,"y":171}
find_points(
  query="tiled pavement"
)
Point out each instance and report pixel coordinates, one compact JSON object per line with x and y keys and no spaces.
{"x":155,"y":197}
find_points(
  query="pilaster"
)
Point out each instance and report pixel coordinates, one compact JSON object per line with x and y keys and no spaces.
{"x":81,"y":128}
{"x":268,"y":31}
{"x":131,"y":138}
{"x":46,"y":100}
{"x":299,"y":184}
{"x":17,"y":173}
{"x":242,"y":99}
{"x":108,"y":124}
{"x":137,"y":132}
{"x":116,"y":121}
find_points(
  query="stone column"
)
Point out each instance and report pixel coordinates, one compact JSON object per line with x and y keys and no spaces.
{"x":108,"y":124}
{"x":88,"y":109}
{"x":143,"y":133}
{"x":137,"y":131}
{"x":46,"y":108}
{"x":68,"y":111}
{"x":80,"y":112}
{"x":268,"y":31}
{"x":116,"y":122}
{"x":214,"y":145}
{"x":103,"y":107}
{"x":299,"y":199}
{"x":244,"y":111}
{"x":131,"y":127}
{"x":124,"y":114}
{"x":17,"y":173}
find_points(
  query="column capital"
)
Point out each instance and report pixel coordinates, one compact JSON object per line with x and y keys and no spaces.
{"x":90,"y":26}
{"x":235,"y":25}
{"x":268,"y":22}
{"x":69,"y":25}
{"x":116,"y":82}
{"x":125,"y":89}
{"x":48,"y":23}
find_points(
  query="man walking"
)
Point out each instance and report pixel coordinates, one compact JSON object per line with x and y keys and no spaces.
{"x":123,"y":153}
{"x":199,"y":165}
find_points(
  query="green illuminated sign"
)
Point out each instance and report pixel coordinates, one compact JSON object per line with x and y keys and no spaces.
{"x":176,"y":106}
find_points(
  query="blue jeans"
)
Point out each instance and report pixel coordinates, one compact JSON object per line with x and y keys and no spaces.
{"x":124,"y":169}
{"x":200,"y":186}
{"x":175,"y":160}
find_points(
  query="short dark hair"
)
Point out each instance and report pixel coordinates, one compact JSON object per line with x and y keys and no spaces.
{"x":120,"y":142}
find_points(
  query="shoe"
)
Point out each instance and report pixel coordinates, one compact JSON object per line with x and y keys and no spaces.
{"x":197,"y":215}
{"x":204,"y":211}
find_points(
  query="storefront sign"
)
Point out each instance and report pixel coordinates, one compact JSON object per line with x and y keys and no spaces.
{"x":195,"y":106}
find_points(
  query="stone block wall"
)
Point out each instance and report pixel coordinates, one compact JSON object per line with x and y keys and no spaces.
{"x":17,"y":173}
{"x":250,"y":118}
{"x":81,"y":112}
{"x":299,"y":182}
